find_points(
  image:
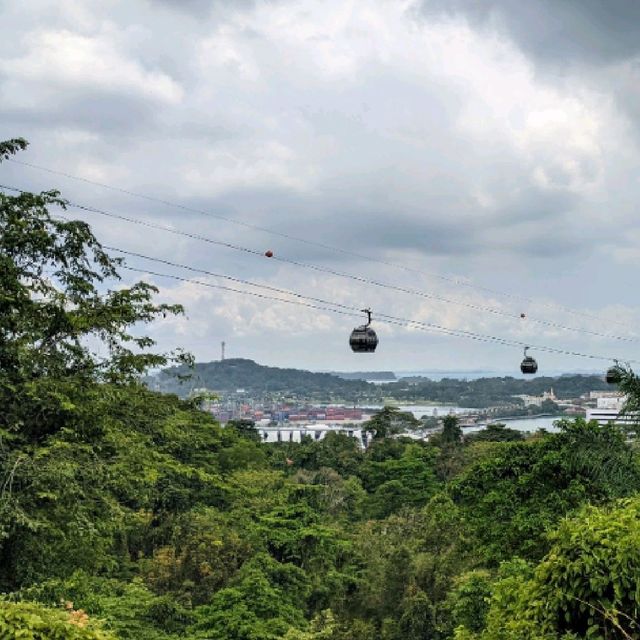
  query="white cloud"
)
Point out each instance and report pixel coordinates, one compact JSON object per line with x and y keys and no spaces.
{"x":65,"y":59}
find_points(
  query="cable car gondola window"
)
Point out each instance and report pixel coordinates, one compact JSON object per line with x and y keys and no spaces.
{"x":363,"y":339}
{"x":528,"y":366}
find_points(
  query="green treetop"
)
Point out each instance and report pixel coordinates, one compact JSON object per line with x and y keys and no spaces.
{"x":54,"y":303}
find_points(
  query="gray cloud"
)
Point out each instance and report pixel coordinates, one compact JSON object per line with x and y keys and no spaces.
{"x":202,"y":8}
{"x":557,"y":31}
{"x":594,"y":40}
{"x":107,"y":114}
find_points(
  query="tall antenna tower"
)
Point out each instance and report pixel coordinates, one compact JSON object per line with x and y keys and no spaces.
{"x":222,"y":351}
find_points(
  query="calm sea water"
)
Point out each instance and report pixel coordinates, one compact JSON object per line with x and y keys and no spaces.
{"x":526,"y":424}
{"x":458,"y":375}
{"x":521,"y":424}
{"x":420,"y":410}
{"x":475,"y":375}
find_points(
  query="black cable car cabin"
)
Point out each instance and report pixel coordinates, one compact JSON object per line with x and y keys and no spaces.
{"x":363,"y":339}
{"x":528,"y":366}
{"x":614,"y":374}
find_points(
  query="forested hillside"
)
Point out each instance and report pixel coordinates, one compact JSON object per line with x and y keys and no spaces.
{"x":129,"y":514}
{"x":238,"y":373}
{"x":259,"y":380}
{"x":485,"y":392}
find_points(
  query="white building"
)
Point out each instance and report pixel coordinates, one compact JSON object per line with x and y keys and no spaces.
{"x":537,"y":400}
{"x":295,"y":433}
{"x":608,"y":409}
{"x":594,"y":395}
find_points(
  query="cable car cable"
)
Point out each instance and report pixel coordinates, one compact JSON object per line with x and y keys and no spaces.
{"x":462,"y":332}
{"x":248,"y":225}
{"x":351,"y":311}
{"x":382,"y":317}
{"x":422,"y":294}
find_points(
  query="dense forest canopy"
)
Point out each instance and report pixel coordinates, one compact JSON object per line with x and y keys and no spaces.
{"x":129,"y":514}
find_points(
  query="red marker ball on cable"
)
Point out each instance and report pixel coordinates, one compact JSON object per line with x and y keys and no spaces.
{"x":269,"y":253}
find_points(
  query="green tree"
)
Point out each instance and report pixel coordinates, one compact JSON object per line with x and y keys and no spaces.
{"x":35,"y":622}
{"x":266,"y":599}
{"x":245,"y":428}
{"x":587,"y":586}
{"x":513,"y":498}
{"x":497,"y":432}
{"x":417,"y":619}
{"x":411,"y":560}
{"x":451,"y":431}
{"x":336,"y":451}
{"x":341,"y":498}
{"x":394,"y":483}
{"x":206,"y":550}
{"x":629,"y":384}
{"x":127,"y":609}
{"x":322,"y":627}
{"x":390,"y":421}
{"x":469,"y":600}
{"x":52,"y":303}
{"x":97,"y":503}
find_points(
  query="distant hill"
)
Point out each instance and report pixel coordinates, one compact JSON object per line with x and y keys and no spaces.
{"x":238,"y":373}
{"x":485,"y":392}
{"x":381,"y":376}
{"x":256,"y":380}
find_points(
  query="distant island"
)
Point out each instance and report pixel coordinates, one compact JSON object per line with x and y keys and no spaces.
{"x":487,"y":392}
{"x":248,"y":377}
{"x":250,"y":380}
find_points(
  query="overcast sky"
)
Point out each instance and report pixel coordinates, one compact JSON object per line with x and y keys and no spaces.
{"x":495,"y":141}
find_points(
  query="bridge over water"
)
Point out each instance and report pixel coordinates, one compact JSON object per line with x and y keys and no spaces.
{"x":295,"y":433}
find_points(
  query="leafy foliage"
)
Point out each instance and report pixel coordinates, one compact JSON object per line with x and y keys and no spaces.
{"x":390,"y":421}
{"x":630,"y":385}
{"x":587,"y":586}
{"x":52,"y":302}
{"x":451,"y":431}
{"x":33,"y":622}
{"x":496,"y":432}
{"x":514,"y":497}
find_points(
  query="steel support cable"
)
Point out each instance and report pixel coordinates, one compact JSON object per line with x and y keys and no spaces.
{"x":170,"y":263}
{"x":422,"y":294}
{"x":314,"y":243}
{"x":361,"y":279}
{"x":342,"y":309}
{"x":350,"y":311}
{"x":345,"y":309}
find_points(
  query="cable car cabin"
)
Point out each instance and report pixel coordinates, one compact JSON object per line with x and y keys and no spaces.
{"x":528,"y":366}
{"x":614,"y":375}
{"x":363,"y":339}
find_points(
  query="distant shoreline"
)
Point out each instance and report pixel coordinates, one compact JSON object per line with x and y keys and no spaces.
{"x":528,"y":417}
